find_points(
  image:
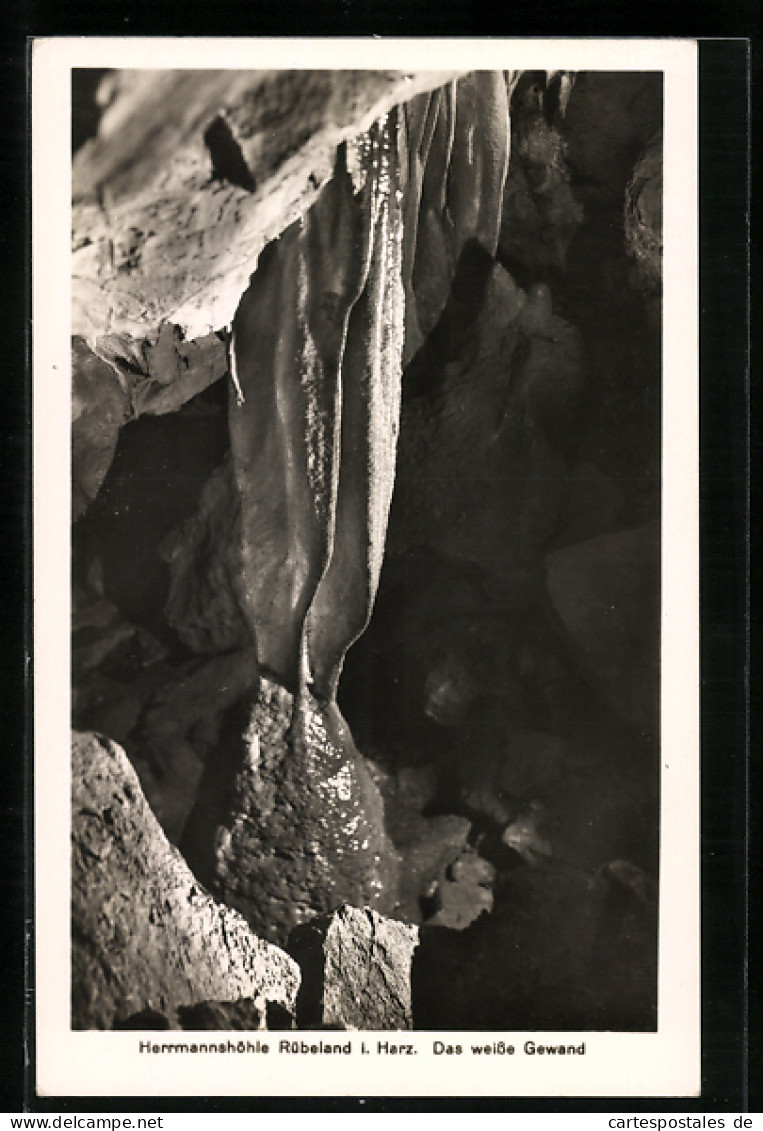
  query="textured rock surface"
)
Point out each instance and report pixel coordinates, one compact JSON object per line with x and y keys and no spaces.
{"x":508,"y":771}
{"x":540,"y":211}
{"x":609,"y":120}
{"x":294,"y":824}
{"x":106,"y":394}
{"x":192,"y":172}
{"x":233,"y":1015}
{"x":356,"y":971}
{"x":488,"y":416}
{"x":507,"y":686}
{"x":318,"y":344}
{"x":206,"y":600}
{"x":160,"y":467}
{"x":168,"y":716}
{"x":100,"y":407}
{"x":145,"y":935}
{"x":181,"y":726}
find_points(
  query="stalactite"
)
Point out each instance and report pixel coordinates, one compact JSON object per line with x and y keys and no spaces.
{"x":320,"y":341}
{"x":320,"y":338}
{"x":318,"y":362}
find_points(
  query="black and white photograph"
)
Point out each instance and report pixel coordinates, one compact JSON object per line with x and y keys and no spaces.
{"x":375,"y":488}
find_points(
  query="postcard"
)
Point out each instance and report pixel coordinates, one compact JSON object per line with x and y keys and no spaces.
{"x":366,"y":567}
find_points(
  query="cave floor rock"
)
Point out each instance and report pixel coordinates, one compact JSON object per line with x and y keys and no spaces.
{"x":145,"y":934}
{"x":356,"y":968}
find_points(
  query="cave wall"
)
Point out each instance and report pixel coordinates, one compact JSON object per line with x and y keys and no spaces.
{"x":191,"y":173}
{"x":503,"y":689}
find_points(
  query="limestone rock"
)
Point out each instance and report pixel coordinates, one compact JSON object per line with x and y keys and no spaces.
{"x":594,"y":505}
{"x":164,"y":372}
{"x":453,"y":189}
{"x":180,"y":728}
{"x":192,"y":172}
{"x":206,"y":597}
{"x":465,"y":892}
{"x":100,"y":407}
{"x":145,"y":934}
{"x":356,"y":971}
{"x":494,"y":410}
{"x":606,"y":805}
{"x":436,"y":843}
{"x":540,"y":212}
{"x":509,"y":772}
{"x":523,"y":837}
{"x":318,"y":346}
{"x":233,"y":1015}
{"x":609,"y":118}
{"x":124,"y":382}
{"x":293,"y":824}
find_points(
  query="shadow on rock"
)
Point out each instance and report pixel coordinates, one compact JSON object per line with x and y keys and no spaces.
{"x":561,"y":951}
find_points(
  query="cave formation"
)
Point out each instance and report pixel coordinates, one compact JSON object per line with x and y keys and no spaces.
{"x":366,"y":501}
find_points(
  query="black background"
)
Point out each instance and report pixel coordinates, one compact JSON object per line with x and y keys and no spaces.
{"x":732,"y":1046}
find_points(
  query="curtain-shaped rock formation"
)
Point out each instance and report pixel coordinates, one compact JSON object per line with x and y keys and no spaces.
{"x":319,"y":342}
{"x":336,"y":306}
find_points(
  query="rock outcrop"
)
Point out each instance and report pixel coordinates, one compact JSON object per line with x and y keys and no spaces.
{"x":492,"y":409}
{"x":206,"y":600}
{"x":145,"y":935}
{"x":356,"y":971}
{"x":191,"y":173}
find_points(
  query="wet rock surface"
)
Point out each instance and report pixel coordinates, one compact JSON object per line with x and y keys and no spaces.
{"x":145,"y":935}
{"x":299,"y":825}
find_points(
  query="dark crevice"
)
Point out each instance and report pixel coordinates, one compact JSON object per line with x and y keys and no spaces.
{"x":228,"y":163}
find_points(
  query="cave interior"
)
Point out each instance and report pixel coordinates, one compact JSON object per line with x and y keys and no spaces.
{"x":366,"y":576}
